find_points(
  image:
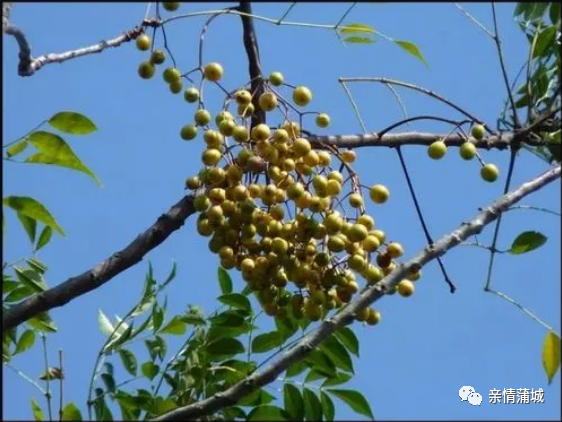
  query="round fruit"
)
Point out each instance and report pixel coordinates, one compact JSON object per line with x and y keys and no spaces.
{"x":240,"y":134}
{"x":437,"y":150}
{"x":260,"y":132}
{"x":395,"y":250}
{"x":170,"y":6}
{"x":348,"y":156}
{"x":301,"y":147}
{"x":143,"y":42}
{"x":478,"y":132}
{"x":188,"y":132}
{"x":489,"y":172}
{"x":243,"y":97}
{"x":406,"y":288}
{"x":202,"y":117}
{"x":302,"y":96}
{"x":245,"y":110}
{"x":158,"y":57}
{"x":276,"y":78}
{"x":171,"y":74}
{"x":374,"y":317}
{"x":191,"y":95}
{"x":146,"y":70}
{"x":268,"y":101}
{"x":176,"y":87}
{"x":213,"y":72}
{"x":322,"y":120}
{"x":192,"y":183}
{"x":467,"y":151}
{"x":355,"y":200}
{"x":379,"y":194}
{"x":211,"y":156}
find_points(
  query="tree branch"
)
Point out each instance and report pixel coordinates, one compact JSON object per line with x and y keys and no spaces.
{"x":103,"y":272}
{"x":253,"y":52}
{"x":369,"y":296}
{"x":28,"y":65}
{"x":500,"y":141}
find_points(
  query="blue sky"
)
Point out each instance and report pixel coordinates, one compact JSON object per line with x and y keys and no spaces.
{"x":428,"y":346}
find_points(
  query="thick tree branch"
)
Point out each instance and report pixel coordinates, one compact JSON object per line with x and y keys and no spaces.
{"x":28,"y":65}
{"x":370,"y":295}
{"x":252,"y":50}
{"x":501,"y":141}
{"x":92,"y":279}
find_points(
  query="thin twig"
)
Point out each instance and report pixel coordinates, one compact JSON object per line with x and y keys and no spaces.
{"x":354,"y":105}
{"x":448,"y":280}
{"x":530,"y":207}
{"x":476,"y":21}
{"x":61,"y":381}
{"x":504,"y":71}
{"x":336,"y":26}
{"x":25,"y":377}
{"x":523,"y":309}
{"x":420,"y":89}
{"x":498,"y":222}
{"x":286,"y":13}
{"x":48,"y":377}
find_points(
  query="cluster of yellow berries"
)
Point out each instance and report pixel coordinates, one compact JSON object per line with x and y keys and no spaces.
{"x":489,"y":172}
{"x":276,"y":208}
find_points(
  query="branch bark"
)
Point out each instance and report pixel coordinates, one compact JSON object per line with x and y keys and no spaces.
{"x":252,"y":50}
{"x":28,"y":65}
{"x":369,"y":296}
{"x":92,"y":279}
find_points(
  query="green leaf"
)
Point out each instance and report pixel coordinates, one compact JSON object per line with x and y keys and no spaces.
{"x":129,"y":361}
{"x":294,"y":404}
{"x":162,"y":406}
{"x":224,"y":347}
{"x":320,"y":362}
{"x":545,"y":41}
{"x":157,"y":317}
{"x":25,"y":342}
{"x":17,"y":148}
{"x":8,"y":284}
{"x":233,"y":412}
{"x":352,"y":28}
{"x":554,"y":12}
{"x":412,"y":49}
{"x":521,"y":8}
{"x":236,"y":300}
{"x":314,"y":375}
{"x":122,"y":334}
{"x":37,"y":265}
{"x":18,"y":294}
{"x":256,"y":398}
{"x":29,"y":224}
{"x":170,"y":277}
{"x":156,"y":347}
{"x":55,"y":151}
{"x":225,"y":281}
{"x":37,"y":412}
{"x":328,"y":408}
{"x":266,"y":341}
{"x":72,"y":122}
{"x":150,"y":370}
{"x":337,"y":353}
{"x":105,"y":324}
{"x":44,"y":237}
{"x":176,"y":326}
{"x":359,"y":40}
{"x":348,"y":338}
{"x":355,"y":400}
{"x":551,"y":355}
{"x":527,"y":242}
{"x":100,"y":407}
{"x":31,"y":279}
{"x":312,"y":406}
{"x":71,"y":413}
{"x":337,"y":379}
{"x":109,"y":382}
{"x":43,"y":322}
{"x":34,"y":209}
{"x":266,"y":413}
{"x":296,"y":369}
